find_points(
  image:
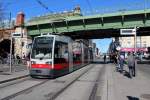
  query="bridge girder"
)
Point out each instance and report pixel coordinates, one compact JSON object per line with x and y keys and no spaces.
{"x":96,"y":26}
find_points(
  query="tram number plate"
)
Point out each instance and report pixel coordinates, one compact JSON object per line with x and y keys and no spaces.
{"x":38,"y":71}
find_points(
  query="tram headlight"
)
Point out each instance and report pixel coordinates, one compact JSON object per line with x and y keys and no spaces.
{"x":48,"y":62}
{"x":33,"y":62}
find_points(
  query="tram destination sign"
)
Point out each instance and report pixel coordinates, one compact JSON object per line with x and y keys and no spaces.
{"x":127,"y":31}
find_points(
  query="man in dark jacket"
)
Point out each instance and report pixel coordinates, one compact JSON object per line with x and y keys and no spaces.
{"x":131,"y":64}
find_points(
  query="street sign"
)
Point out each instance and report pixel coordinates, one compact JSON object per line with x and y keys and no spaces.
{"x":16,"y":35}
{"x":127,"y":31}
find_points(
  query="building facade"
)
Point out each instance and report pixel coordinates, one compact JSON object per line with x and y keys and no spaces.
{"x":141,"y":42}
{"x":15,"y":34}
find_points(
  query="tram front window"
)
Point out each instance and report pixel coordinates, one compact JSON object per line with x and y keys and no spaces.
{"x":42,"y":48}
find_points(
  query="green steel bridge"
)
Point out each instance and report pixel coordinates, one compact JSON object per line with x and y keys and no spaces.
{"x":91,"y":27}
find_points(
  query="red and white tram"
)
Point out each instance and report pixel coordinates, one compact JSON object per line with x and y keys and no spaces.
{"x":56,"y":55}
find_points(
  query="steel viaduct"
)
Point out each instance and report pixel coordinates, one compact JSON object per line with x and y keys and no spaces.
{"x":92,"y":27}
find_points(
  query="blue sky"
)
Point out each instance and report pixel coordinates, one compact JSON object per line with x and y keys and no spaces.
{"x":103,"y":44}
{"x":31,"y":8}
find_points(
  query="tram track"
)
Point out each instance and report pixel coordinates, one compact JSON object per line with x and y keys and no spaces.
{"x":55,"y":95}
{"x":39,"y":82}
{"x":12,"y":82}
{"x":95,"y":87}
{"x":58,"y":86}
{"x":90,"y":86}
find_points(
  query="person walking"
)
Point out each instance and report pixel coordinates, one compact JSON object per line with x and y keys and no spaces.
{"x":104,"y":58}
{"x":121,"y":62}
{"x":116,"y":60}
{"x":131,"y":64}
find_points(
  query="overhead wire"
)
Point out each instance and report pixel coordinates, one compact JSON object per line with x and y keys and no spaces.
{"x":44,"y":6}
{"x":90,"y":6}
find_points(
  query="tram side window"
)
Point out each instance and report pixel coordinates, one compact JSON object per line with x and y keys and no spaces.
{"x":61,"y":52}
{"x":86,"y":54}
{"x":77,"y":52}
{"x":76,"y":58}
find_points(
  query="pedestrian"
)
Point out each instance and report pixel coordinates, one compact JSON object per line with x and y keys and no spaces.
{"x":115,"y":57}
{"x":131,"y":64}
{"x":24,"y":58}
{"x":18,"y":59}
{"x":121,"y":62}
{"x":104,"y":58}
{"x":116,"y":61}
{"x":28,"y":61}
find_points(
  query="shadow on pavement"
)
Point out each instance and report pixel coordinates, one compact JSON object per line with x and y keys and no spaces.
{"x":127,"y":75}
{"x":124,"y":72}
{"x":132,"y":98}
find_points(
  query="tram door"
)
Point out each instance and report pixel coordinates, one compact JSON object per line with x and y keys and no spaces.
{"x":61,"y":56}
{"x":70,"y":56}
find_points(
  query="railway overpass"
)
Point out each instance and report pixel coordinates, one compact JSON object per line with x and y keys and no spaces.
{"x":92,"y":27}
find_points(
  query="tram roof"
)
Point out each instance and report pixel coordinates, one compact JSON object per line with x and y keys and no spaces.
{"x":58,"y":37}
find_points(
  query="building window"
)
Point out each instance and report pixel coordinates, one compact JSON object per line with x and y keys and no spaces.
{"x":144,"y":45}
{"x":22,"y":44}
{"x":138,"y":45}
{"x":138,"y":38}
{"x":129,"y":42}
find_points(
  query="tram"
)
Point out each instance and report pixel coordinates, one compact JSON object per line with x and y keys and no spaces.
{"x":56,"y":55}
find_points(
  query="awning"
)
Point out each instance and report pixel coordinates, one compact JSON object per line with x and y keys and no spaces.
{"x":133,"y":49}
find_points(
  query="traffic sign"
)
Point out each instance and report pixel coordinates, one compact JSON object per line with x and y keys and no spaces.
{"x":16,"y":35}
{"x":127,"y":31}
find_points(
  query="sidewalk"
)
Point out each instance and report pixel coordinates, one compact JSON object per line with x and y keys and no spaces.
{"x":121,"y":87}
{"x":17,"y":73}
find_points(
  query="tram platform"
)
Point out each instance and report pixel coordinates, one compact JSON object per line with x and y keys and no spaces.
{"x":119,"y":86}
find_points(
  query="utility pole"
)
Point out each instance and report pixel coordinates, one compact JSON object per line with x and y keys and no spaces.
{"x":10,"y":63}
{"x":134,"y":39}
